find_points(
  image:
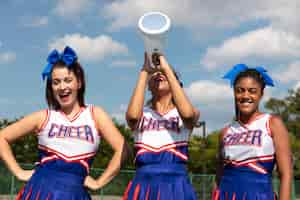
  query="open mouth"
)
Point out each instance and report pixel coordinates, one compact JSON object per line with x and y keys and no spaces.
{"x":246,"y":102}
{"x":64,"y":96}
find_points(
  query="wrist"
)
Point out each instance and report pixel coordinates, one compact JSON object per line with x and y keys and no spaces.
{"x":18,"y":172}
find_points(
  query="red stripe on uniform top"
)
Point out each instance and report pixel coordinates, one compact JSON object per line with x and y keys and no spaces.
{"x":251,"y":160}
{"x":154,"y":149}
{"x":177,"y":153}
{"x":268,"y":126}
{"x":257,"y":168}
{"x":69,"y":158}
{"x":174,"y":144}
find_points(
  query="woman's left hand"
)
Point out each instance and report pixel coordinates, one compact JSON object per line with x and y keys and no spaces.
{"x":91,"y":183}
{"x":163,"y":63}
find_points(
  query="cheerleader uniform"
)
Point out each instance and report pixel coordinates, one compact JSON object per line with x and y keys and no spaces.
{"x":248,"y":152}
{"x":161,"y":143}
{"x":66,"y":150}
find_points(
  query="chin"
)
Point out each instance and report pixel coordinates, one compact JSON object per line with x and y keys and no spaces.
{"x":247,"y":112}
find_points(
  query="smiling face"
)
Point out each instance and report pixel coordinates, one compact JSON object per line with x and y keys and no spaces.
{"x":65,"y":87}
{"x":158,"y":83}
{"x":248,"y":93}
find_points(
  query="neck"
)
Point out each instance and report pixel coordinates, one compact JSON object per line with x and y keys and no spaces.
{"x":162,"y":104}
{"x":71,"y":110}
{"x":246,"y":118}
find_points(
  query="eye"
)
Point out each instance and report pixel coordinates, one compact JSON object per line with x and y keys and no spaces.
{"x":239,"y":90}
{"x":253,"y":90}
{"x":55,"y":82}
{"x":68,"y":80}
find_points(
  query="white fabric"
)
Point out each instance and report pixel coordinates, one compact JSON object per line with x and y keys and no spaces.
{"x":253,"y":140}
{"x":157,"y":131}
{"x":72,"y":139}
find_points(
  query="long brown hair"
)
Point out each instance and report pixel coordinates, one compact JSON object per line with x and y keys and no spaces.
{"x":79,"y":74}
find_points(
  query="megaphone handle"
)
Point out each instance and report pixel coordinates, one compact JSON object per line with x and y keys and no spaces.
{"x":155,"y":58}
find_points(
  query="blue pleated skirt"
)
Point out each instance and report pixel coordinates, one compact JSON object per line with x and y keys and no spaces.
{"x":160,"y":181}
{"x":49,"y":184}
{"x":244,"y":185}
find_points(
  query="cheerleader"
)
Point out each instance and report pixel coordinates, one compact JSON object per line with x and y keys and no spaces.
{"x":252,"y":143}
{"x":68,"y":137}
{"x":161,"y":132}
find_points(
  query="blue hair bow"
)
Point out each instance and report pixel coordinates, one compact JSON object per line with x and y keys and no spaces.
{"x":237,"y":69}
{"x":68,"y":56}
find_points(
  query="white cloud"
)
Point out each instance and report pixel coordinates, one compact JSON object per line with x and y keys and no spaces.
{"x":297,"y":86}
{"x":71,"y":8}
{"x":289,"y":73}
{"x":90,"y":49}
{"x":208,"y":92}
{"x":263,"y":43}
{"x":203,"y":15}
{"x":119,"y":114}
{"x":7,"y":57}
{"x":124,"y":63}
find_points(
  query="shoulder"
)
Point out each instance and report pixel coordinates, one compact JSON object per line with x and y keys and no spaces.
{"x":275,"y":120}
{"x":277,"y":126}
{"x":97,"y":111}
{"x":224,"y":130}
{"x":38,"y":115}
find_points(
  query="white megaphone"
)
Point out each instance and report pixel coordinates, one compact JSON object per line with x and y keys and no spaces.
{"x":154,"y":26}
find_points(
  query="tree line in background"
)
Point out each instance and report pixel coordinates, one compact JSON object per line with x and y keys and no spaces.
{"x":202,"y":151}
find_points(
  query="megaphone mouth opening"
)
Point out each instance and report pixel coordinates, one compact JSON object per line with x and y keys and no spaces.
{"x":154,"y":23}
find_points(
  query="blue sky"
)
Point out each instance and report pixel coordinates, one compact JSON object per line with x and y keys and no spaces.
{"x":205,"y":40}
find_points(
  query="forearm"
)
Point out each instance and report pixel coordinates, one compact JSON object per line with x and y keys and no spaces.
{"x":183,"y":104}
{"x":111,"y":171}
{"x":285,"y":187}
{"x":8,"y":157}
{"x":136,"y":103}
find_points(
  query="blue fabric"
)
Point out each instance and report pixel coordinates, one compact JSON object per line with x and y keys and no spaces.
{"x":54,"y":185}
{"x":246,"y":184}
{"x":161,"y":181}
{"x":75,"y":168}
{"x":68,"y":56}
{"x":237,"y":69}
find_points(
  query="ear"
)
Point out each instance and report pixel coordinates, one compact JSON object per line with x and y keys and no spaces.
{"x":79,"y":84}
{"x":262,"y":92}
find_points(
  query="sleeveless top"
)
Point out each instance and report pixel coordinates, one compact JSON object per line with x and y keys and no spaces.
{"x":249,"y":146}
{"x":68,"y":144}
{"x":161,"y":138}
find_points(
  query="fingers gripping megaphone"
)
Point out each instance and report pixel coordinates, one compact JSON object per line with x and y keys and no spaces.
{"x":154,"y":26}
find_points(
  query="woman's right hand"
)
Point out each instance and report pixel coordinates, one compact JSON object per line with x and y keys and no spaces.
{"x":147,"y":64}
{"x":24,"y":175}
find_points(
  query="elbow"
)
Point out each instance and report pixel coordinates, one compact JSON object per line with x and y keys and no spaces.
{"x":133,"y":116}
{"x":191,"y":115}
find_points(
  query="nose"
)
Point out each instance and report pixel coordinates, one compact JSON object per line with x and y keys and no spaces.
{"x":62,"y":85}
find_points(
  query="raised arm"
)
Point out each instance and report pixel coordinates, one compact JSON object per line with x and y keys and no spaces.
{"x":112,"y":136}
{"x":11,"y":133}
{"x":188,"y":113}
{"x":136,"y":104}
{"x":283,"y":156}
